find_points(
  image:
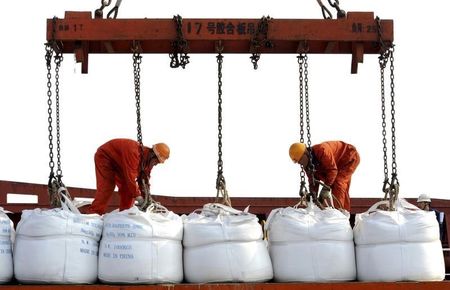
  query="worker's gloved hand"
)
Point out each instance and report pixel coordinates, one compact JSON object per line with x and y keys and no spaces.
{"x":140,"y":201}
{"x":325,"y":193}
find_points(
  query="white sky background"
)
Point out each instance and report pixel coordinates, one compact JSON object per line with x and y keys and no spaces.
{"x":260,"y":108}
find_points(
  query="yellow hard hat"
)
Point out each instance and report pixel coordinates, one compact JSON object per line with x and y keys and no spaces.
{"x":296,"y":151}
{"x":162,"y":151}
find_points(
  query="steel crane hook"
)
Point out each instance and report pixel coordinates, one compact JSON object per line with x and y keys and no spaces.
{"x":99,"y":11}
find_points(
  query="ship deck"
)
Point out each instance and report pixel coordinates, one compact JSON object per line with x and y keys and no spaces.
{"x":184,"y":205}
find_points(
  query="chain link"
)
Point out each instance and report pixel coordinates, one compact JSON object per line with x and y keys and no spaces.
{"x":220,"y":179}
{"x":48,"y":60}
{"x":221,"y":187}
{"x":137,"y":60}
{"x":395,"y":185}
{"x":58,"y":59}
{"x":311,"y":167}
{"x":55,"y":186}
{"x":327,"y":14}
{"x":260,"y":39}
{"x":144,"y":187}
{"x":302,"y":60}
{"x":52,"y":186}
{"x":303,"y":192}
{"x":335,"y":5}
{"x":308,"y":126}
{"x":382,"y":62}
{"x":390,"y":187}
{"x":394,"y":162}
{"x":103,"y":5}
{"x":179,"y":56}
{"x":114,"y":11}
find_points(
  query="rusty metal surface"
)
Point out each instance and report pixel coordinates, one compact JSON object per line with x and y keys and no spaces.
{"x":156,"y":35}
{"x":250,"y":286}
{"x":357,"y":34}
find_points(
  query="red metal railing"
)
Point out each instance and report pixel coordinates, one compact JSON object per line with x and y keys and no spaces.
{"x":260,"y":206}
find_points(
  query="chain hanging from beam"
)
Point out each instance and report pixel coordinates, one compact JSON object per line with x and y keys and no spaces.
{"x":302,"y":60}
{"x":326,"y":12}
{"x":172,"y":37}
{"x":391,"y":186}
{"x":222,"y":193}
{"x":179,"y":57}
{"x":55,"y":186}
{"x":142,"y":178}
{"x":137,"y":60}
{"x":259,"y":39}
{"x":112,"y":14}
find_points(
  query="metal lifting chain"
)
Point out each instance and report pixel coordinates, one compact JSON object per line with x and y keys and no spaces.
{"x":58,"y":60}
{"x":48,"y":60}
{"x":222,"y":193}
{"x":339,"y":11}
{"x":395,"y":185}
{"x":115,"y":10}
{"x":327,"y":14}
{"x":55,"y":186}
{"x":304,"y":114}
{"x":390,"y":187}
{"x":61,"y":189}
{"x":382,"y":61}
{"x":260,"y":39}
{"x":104,"y":4}
{"x":394,"y":162}
{"x":303,"y":189}
{"x":137,"y":60}
{"x":179,"y":56}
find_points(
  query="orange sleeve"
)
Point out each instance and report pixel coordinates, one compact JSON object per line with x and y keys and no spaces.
{"x":327,"y":162}
{"x":130,"y":169}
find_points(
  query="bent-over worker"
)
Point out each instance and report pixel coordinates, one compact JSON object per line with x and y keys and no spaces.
{"x":118,"y":162}
{"x":334,"y":163}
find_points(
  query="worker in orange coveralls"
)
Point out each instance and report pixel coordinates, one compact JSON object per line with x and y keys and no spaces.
{"x":334,"y":163}
{"x":118,"y":162}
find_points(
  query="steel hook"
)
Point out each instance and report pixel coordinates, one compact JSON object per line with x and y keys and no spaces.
{"x":115,"y":9}
{"x":99,"y":11}
{"x":219,"y":46}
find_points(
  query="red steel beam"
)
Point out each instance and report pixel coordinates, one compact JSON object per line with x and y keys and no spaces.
{"x":357,"y":34}
{"x":182,"y":204}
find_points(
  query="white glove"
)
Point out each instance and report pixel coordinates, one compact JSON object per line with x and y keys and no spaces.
{"x":139,"y":201}
{"x":325,"y":193}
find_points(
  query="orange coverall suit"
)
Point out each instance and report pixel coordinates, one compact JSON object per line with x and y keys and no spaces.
{"x":335,"y":162}
{"x":117,"y":163}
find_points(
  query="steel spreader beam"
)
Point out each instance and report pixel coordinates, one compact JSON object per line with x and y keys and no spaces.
{"x":357,"y":34}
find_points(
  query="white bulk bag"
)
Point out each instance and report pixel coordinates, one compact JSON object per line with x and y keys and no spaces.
{"x":57,"y":246}
{"x":141,"y":247}
{"x":6,"y":236}
{"x":400,"y":245}
{"x":311,"y":245}
{"x":222,"y":244}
